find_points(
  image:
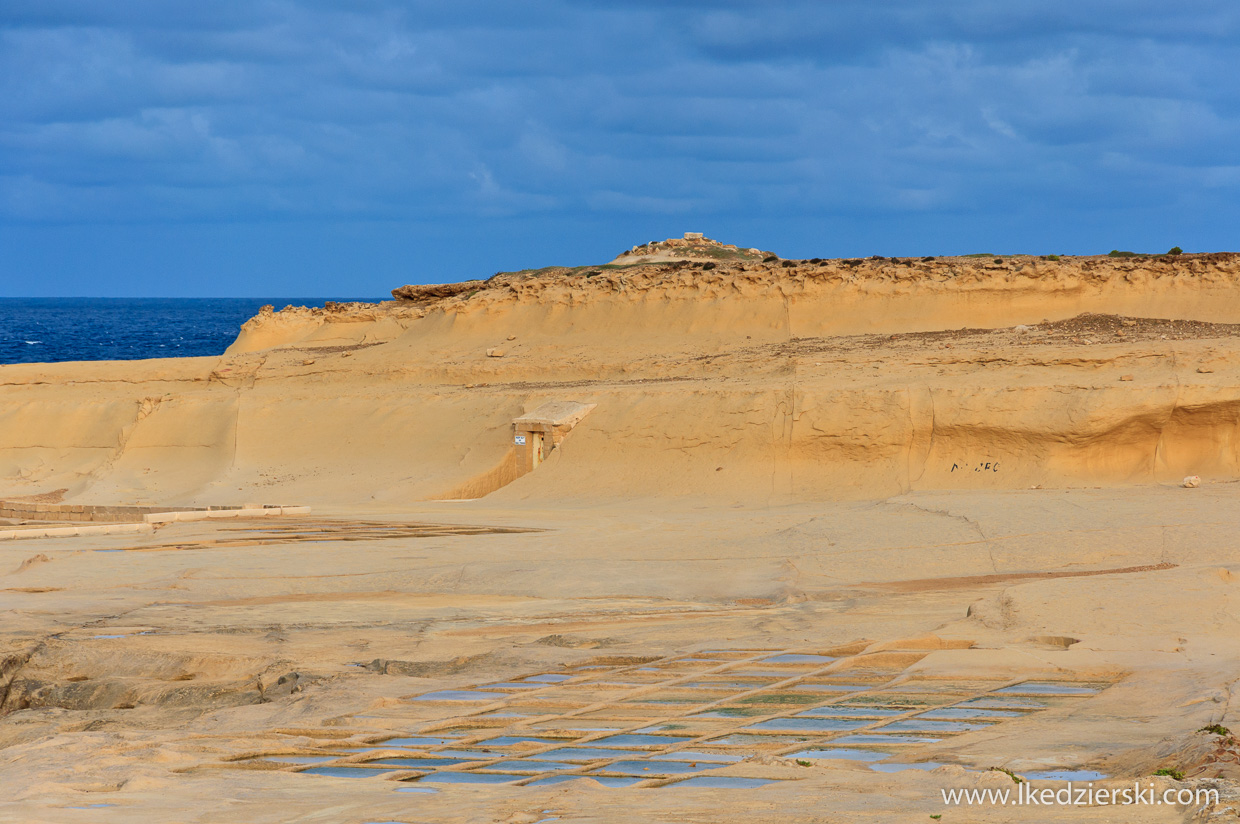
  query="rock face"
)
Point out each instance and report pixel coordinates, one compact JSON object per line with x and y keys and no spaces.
{"x":434,"y":291}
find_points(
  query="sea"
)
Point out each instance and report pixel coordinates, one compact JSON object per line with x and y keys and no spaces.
{"x":48,"y":330}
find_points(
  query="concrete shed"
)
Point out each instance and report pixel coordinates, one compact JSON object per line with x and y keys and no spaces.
{"x":538,"y":432}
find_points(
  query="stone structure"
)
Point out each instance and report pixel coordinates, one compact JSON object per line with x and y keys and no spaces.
{"x":694,"y":246}
{"x":536,"y":433}
{"x":78,"y":513}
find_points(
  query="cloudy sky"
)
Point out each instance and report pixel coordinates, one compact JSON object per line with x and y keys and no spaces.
{"x":315,"y":147}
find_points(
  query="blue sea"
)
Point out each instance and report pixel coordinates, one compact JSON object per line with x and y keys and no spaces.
{"x":44,"y":330}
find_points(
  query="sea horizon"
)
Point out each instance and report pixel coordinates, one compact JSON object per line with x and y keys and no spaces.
{"x":65,"y":329}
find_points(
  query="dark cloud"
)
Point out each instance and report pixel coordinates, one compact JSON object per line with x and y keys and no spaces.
{"x":915,"y":122}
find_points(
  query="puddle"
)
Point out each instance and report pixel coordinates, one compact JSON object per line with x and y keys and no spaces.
{"x":93,"y":806}
{"x":300,"y":759}
{"x":533,"y":766}
{"x":1046,"y":688}
{"x":953,"y":713}
{"x":470,"y":778}
{"x":894,"y":768}
{"x":867,"y":738}
{"x":795,"y":658}
{"x":344,"y":772}
{"x":842,"y":754}
{"x":635,"y":740}
{"x":653,"y":770}
{"x":723,"y":782}
{"x":584,"y":754}
{"x":605,"y":780}
{"x":808,"y":724}
{"x":1063,"y":775}
{"x":460,"y":695}
{"x":690,"y":755}
{"x":849,"y":712}
{"x":416,"y":790}
{"x":918,"y":725}
{"x":549,"y":678}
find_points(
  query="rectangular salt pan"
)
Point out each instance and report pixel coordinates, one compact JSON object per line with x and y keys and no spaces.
{"x":751,"y":740}
{"x":795,"y":658}
{"x":919,"y":725}
{"x":1014,"y":703}
{"x":837,"y":711}
{"x":956,"y":713}
{"x":419,"y":763}
{"x":413,"y":741}
{"x":584,"y":754}
{"x":653,"y":769}
{"x":633,"y":740}
{"x":863,"y":738}
{"x":1046,"y":688}
{"x":470,"y":778}
{"x":808,"y":724}
{"x":605,"y":780}
{"x":518,"y":765}
{"x":344,"y":772}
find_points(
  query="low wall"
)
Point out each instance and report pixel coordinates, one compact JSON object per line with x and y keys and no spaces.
{"x":23,"y":510}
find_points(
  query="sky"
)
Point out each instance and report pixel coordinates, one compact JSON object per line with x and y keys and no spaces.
{"x":315,"y":147}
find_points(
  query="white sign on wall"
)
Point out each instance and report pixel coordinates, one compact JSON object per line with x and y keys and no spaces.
{"x":519,"y":440}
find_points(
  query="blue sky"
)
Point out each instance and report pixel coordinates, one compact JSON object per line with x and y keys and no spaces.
{"x":250,"y":147}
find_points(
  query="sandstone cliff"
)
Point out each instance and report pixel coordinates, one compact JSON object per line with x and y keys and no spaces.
{"x":743,"y":379}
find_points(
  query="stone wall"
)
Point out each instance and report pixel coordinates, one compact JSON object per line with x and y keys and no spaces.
{"x":26,"y":511}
